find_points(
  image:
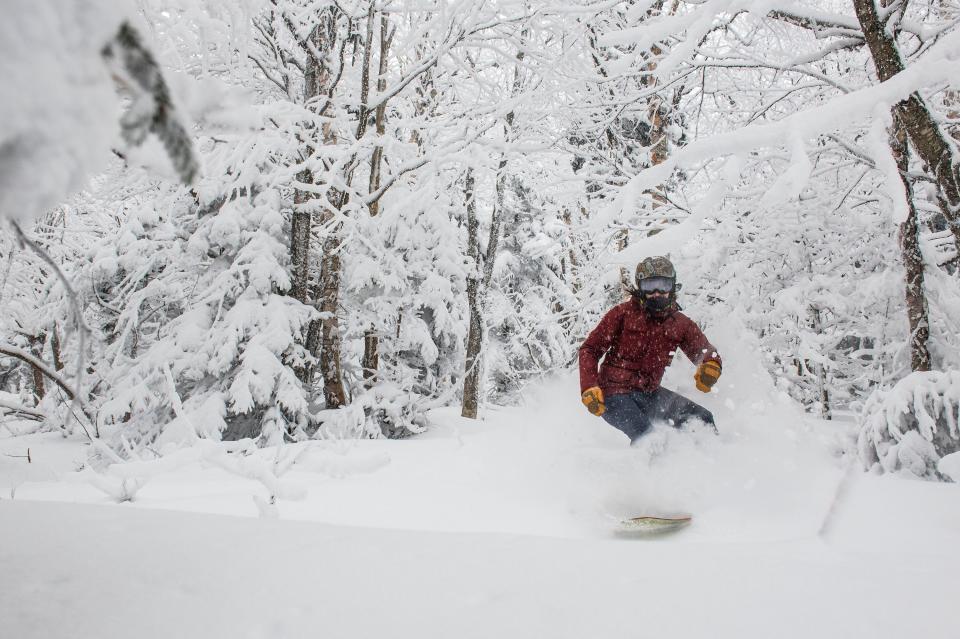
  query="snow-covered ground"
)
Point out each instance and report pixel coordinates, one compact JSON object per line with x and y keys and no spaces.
{"x":497,"y":528}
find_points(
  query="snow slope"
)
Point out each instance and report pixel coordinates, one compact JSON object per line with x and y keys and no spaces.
{"x":78,"y":571}
{"x":499,"y":527}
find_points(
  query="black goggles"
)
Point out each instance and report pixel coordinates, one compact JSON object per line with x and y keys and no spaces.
{"x":656,"y":284}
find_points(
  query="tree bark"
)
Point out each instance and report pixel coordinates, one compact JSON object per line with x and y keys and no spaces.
{"x":823,"y":391}
{"x":371,"y":340}
{"x":471,"y":380}
{"x":300,"y":228}
{"x":36,"y":349}
{"x":323,"y":334}
{"x":381,"y":112}
{"x":55,"y":347}
{"x":477,"y":299}
{"x":913,"y":119}
{"x":317,"y":79}
{"x":914,"y":291}
{"x":326,"y":331}
{"x":479,"y":285}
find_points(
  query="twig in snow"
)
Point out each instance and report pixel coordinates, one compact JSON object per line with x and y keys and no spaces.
{"x":27,"y":456}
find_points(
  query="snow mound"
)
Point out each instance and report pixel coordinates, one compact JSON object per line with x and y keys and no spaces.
{"x":909,"y":427}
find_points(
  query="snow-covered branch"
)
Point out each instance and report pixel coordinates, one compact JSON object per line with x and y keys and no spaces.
{"x":40,"y":365}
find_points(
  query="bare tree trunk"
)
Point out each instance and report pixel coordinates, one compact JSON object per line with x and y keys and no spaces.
{"x":931,"y":144}
{"x":327,"y":334}
{"x":36,"y":343}
{"x":823,"y":391}
{"x":571,"y":255}
{"x":371,"y":354}
{"x":55,"y":347}
{"x":622,"y":239}
{"x":914,"y":292}
{"x":323,"y":334}
{"x":316,"y":80}
{"x":381,"y":113}
{"x":300,"y":228}
{"x":371,"y":340}
{"x":913,"y":119}
{"x":471,"y":380}
{"x":626,"y":274}
{"x":659,"y":113}
{"x":479,"y":283}
{"x":473,"y":364}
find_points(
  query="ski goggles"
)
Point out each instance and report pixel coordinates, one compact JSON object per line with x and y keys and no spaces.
{"x":656,"y":285}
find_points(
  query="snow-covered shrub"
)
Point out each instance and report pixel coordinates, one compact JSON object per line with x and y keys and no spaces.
{"x":224,"y":348}
{"x":393,"y":412}
{"x":532,"y":298}
{"x":950,"y":466}
{"x":910,"y":427}
{"x":406,"y":281}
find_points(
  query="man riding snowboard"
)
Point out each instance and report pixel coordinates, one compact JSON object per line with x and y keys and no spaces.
{"x":639,"y":338}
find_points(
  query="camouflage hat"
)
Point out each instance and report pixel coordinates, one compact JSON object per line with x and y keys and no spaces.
{"x":659,"y":266}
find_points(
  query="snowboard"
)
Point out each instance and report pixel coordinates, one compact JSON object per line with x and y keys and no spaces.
{"x":653,"y":524}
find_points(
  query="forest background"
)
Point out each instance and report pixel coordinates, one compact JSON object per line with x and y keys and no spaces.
{"x":291,"y":219}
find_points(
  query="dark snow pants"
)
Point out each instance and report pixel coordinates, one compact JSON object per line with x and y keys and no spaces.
{"x":633,"y":413}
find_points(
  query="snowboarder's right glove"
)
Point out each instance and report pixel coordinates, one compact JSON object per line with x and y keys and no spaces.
{"x":707,"y":375}
{"x":592,"y":398}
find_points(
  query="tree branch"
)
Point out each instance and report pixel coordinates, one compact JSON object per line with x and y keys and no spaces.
{"x":825,"y":26}
{"x":16,"y":409}
{"x":37,"y":363}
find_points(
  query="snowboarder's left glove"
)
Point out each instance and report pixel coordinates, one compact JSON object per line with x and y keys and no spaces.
{"x":707,"y":375}
{"x":592,"y":398}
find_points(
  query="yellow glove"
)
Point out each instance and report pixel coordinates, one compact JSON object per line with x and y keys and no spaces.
{"x":592,"y":398}
{"x":707,"y":375}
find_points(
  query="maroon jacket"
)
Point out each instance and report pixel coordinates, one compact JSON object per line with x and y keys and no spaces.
{"x":638,"y":348}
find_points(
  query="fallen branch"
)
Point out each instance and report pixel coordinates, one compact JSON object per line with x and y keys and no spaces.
{"x":24,"y":356}
{"x":16,"y":409}
{"x":27,"y":456}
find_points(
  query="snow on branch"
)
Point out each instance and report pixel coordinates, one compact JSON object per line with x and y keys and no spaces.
{"x":24,"y":356}
{"x":940,"y":63}
{"x":823,"y":25}
{"x":61,"y":61}
{"x":152,"y":110}
{"x":20,"y":411}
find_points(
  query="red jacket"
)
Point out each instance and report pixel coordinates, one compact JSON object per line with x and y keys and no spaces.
{"x":638,"y":347}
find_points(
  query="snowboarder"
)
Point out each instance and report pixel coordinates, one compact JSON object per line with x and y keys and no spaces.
{"x":639,"y":338}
